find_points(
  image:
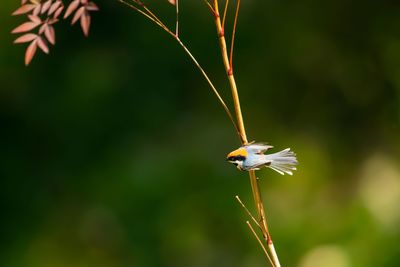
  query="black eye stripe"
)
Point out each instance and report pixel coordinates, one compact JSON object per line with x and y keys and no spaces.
{"x":239,"y":158}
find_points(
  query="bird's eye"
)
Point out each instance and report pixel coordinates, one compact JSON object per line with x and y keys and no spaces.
{"x":236,"y":158}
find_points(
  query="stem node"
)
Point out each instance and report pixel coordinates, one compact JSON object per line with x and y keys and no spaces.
{"x":221,"y":33}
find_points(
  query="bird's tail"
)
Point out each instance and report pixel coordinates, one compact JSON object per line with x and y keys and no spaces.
{"x":283,"y":161}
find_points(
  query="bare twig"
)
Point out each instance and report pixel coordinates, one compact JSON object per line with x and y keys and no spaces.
{"x":141,"y":4}
{"x":261,"y":243}
{"x":239,"y":118}
{"x":248,"y":212}
{"x":233,"y":36}
{"x":238,"y":121}
{"x":210,"y":7}
{"x":151,"y":16}
{"x":225,"y":10}
{"x":145,"y":14}
{"x":177,"y":18}
{"x":211,"y":85}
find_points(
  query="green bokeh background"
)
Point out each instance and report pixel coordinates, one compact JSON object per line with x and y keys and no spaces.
{"x":112,"y":148}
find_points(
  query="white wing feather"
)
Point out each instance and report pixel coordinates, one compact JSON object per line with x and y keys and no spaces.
{"x":257,"y":148}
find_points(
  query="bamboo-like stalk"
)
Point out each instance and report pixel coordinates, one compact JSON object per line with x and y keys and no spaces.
{"x":238,"y":123}
{"x":242,"y":130}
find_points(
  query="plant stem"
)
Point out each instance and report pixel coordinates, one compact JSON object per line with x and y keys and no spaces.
{"x":238,"y":124}
{"x":242,"y":131}
{"x":152,"y":17}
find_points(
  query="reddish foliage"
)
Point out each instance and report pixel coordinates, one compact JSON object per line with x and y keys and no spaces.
{"x":172,"y":2}
{"x":45,"y":13}
{"x":81,"y":13}
{"x":30,"y":52}
{"x":25,"y":38}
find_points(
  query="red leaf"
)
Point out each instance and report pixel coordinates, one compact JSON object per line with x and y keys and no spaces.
{"x":85,"y":23}
{"x":25,"y":38}
{"x":42,"y":45}
{"x":24,"y":9}
{"x":30,"y":52}
{"x":172,"y":2}
{"x":43,"y":28}
{"x":54,"y":7}
{"x":46,"y":6}
{"x":50,"y":34}
{"x":36,"y":11}
{"x":23,"y":1}
{"x":25,"y":27}
{"x":52,"y":21}
{"x":84,"y":2}
{"x":78,"y":14}
{"x":71,"y":8}
{"x":91,"y":7}
{"x":35,"y":19}
{"x":58,"y":12}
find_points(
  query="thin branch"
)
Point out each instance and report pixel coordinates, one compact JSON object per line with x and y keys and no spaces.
{"x":225,"y":10}
{"x":259,"y":204}
{"x":157,"y":21}
{"x":248,"y":212}
{"x":177,"y":18}
{"x":140,"y":3}
{"x":161,"y":25}
{"x":261,"y":243}
{"x":239,"y":118}
{"x":228,"y":112}
{"x":233,"y":36}
{"x":210,"y":7}
{"x":238,"y":123}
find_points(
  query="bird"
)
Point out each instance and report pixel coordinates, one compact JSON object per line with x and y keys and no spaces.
{"x":251,"y":157}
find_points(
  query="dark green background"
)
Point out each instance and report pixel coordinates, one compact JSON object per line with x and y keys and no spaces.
{"x":112,"y":149}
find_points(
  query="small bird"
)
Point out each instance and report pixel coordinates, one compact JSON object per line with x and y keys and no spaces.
{"x":251,"y":157}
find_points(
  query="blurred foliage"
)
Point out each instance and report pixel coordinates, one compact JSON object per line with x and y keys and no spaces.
{"x":112,"y":148}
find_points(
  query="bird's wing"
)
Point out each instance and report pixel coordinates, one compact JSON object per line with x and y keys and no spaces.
{"x":258,"y":165}
{"x":258,"y":148}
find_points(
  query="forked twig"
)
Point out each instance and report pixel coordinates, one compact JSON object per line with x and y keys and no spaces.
{"x":261,"y":243}
{"x":211,"y":85}
{"x":239,"y":118}
{"x":155,"y":20}
{"x":248,"y":212}
{"x":140,"y":3}
{"x":210,"y":7}
{"x":233,"y":36}
{"x":225,"y":10}
{"x":151,"y":16}
{"x":238,"y":121}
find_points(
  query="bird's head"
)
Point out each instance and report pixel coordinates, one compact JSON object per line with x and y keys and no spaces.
{"x":237,"y":157}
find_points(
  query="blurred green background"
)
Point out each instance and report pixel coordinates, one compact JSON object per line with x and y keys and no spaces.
{"x":113,"y":147}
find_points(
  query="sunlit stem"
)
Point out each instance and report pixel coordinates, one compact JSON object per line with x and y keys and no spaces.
{"x":225,"y":10}
{"x":233,"y":36}
{"x":177,"y":18}
{"x":210,"y":7}
{"x":239,"y":118}
{"x":261,"y":243}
